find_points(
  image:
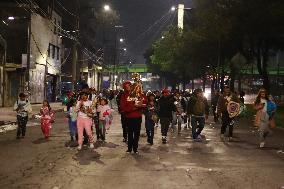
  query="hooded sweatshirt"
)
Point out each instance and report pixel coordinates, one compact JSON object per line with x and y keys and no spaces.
{"x":127,"y":106}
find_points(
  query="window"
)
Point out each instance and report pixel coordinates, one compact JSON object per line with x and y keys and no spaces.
{"x":57,"y":55}
{"x":59,"y":27}
{"x":53,"y":51}
{"x":48,"y":50}
{"x":55,"y":28}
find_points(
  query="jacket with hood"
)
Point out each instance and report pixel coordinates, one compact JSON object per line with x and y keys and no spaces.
{"x":127,"y":106}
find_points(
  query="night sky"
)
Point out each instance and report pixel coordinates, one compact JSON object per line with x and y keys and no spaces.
{"x":137,"y":16}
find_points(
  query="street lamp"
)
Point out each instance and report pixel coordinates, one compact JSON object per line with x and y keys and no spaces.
{"x":124,"y":49}
{"x":11,"y":18}
{"x":121,"y":40}
{"x":107,"y":8}
{"x":173,"y":8}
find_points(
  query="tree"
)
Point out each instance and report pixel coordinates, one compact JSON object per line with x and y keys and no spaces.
{"x":262,"y":25}
{"x":221,"y":29}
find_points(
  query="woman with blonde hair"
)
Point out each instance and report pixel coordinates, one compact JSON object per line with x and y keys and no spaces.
{"x":264,"y":115}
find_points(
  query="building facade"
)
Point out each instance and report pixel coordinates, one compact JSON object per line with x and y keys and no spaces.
{"x":45,"y":65}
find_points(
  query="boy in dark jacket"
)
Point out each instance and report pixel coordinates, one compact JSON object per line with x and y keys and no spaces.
{"x":122,"y":116}
{"x":166,"y":107}
{"x":199,"y":110}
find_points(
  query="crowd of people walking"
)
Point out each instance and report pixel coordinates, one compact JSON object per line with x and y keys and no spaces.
{"x":172,"y":111}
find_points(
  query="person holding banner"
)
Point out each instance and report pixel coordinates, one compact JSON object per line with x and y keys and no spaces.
{"x":228,"y":107}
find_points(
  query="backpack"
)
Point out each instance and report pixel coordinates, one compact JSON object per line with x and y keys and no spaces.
{"x":199,"y":107}
{"x":271,"y":107}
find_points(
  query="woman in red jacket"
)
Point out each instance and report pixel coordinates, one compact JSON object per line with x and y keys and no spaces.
{"x":133,"y":114}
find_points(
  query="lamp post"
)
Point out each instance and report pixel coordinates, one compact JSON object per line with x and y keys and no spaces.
{"x":180,"y":9}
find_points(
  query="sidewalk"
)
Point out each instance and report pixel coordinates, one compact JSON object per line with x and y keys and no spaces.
{"x":7,"y":114}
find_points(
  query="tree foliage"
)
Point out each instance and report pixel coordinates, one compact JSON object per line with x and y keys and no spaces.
{"x":220,"y":30}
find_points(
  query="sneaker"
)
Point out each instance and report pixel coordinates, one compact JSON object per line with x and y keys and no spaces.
{"x":79,"y":147}
{"x":136,"y":152}
{"x":199,"y":137}
{"x":128,"y":151}
{"x":261,"y":145}
{"x":92,"y":146}
{"x":197,"y":140}
{"x":164,"y":140}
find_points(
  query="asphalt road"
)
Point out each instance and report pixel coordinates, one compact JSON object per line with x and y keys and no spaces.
{"x":35,"y":163}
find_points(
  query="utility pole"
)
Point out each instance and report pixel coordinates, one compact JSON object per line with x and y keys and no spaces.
{"x":4,"y":70}
{"x":115,"y":58}
{"x":278,"y":68}
{"x":180,"y":15}
{"x":75,"y":52}
{"x":27,"y":76}
{"x":74,"y":64}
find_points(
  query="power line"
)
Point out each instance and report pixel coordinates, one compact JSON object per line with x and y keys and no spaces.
{"x":150,"y":27}
{"x":65,"y":9}
{"x":162,"y":26}
{"x":65,"y":32}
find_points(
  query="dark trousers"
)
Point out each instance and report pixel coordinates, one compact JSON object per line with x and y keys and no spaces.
{"x":124,"y":126}
{"x":215,"y":113}
{"x":101,"y":130}
{"x":149,"y":124}
{"x":133,"y":127}
{"x":97,"y":127}
{"x":165,"y":123}
{"x":197,"y":124}
{"x":226,"y":122}
{"x":22,"y":124}
{"x":185,"y":117}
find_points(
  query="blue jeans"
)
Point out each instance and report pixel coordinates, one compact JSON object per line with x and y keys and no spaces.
{"x":73,"y":127}
{"x":197,"y":124}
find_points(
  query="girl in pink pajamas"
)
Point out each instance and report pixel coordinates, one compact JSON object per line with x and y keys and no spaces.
{"x":84,"y":120}
{"x":46,"y":118}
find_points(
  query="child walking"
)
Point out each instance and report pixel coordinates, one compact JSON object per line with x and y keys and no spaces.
{"x":264,"y":116}
{"x":104,"y":111}
{"x":85,"y":119}
{"x":46,"y":117}
{"x":23,"y":107}
{"x":72,"y":116}
{"x":150,"y":118}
